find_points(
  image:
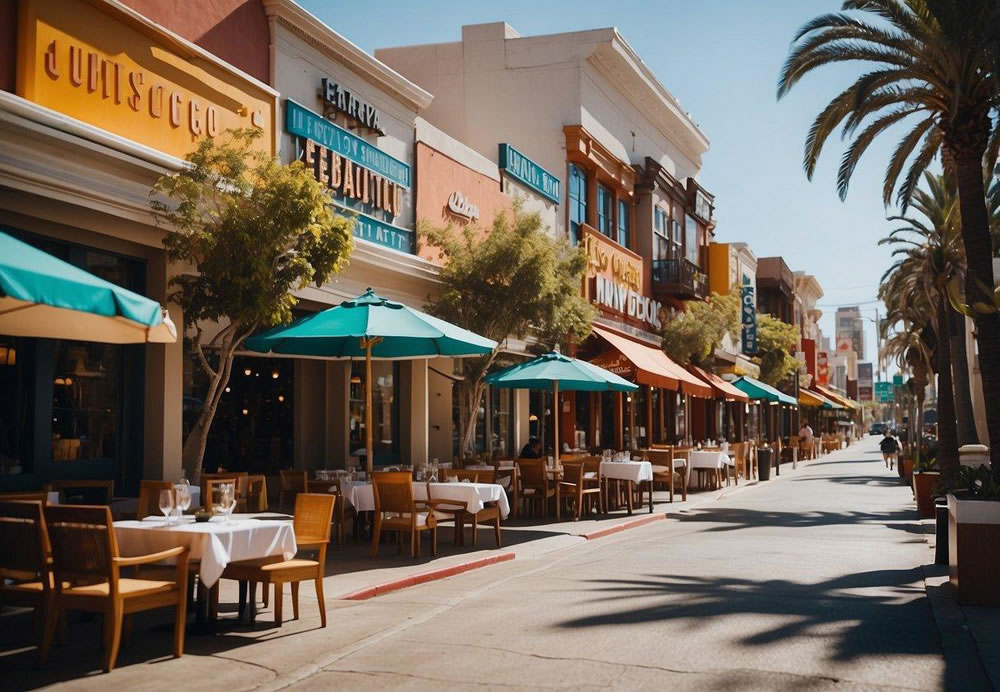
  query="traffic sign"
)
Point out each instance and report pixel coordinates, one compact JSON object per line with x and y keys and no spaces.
{"x":883,"y":392}
{"x":897,"y":380}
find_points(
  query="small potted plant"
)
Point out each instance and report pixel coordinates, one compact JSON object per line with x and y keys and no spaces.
{"x":925,"y":478}
{"x":973,"y":536}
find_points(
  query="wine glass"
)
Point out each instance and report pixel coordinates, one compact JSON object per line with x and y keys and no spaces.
{"x":220,"y":500}
{"x":183,"y":498}
{"x":167,"y":504}
{"x":230,"y":501}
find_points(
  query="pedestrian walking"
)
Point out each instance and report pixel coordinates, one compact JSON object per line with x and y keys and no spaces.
{"x":889,"y":447}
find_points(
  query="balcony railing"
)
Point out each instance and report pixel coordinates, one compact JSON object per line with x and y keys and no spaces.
{"x":680,"y":278}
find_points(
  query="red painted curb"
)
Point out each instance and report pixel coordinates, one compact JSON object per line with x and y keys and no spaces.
{"x":424,"y":577}
{"x":617,"y":528}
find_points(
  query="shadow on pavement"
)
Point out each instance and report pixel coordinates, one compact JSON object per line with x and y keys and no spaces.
{"x":736,"y":518}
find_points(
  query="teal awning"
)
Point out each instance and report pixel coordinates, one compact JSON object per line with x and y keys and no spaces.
{"x":42,"y":296}
{"x":755,"y":389}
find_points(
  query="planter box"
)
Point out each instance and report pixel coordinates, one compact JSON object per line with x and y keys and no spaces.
{"x":907,"y":468}
{"x":973,"y":558}
{"x":923,"y":486}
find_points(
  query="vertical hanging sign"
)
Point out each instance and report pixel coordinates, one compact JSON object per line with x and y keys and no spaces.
{"x":749,"y":319}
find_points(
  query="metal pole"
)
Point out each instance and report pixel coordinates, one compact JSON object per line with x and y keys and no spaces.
{"x":555,"y":422}
{"x":369,"y":433}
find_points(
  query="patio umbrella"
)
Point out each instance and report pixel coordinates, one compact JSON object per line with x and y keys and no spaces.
{"x":375,"y":328}
{"x":42,"y":296}
{"x":554,"y":370}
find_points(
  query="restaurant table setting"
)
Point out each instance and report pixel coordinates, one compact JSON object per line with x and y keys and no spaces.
{"x":215,"y":543}
{"x":618,"y":466}
{"x":361,"y":496}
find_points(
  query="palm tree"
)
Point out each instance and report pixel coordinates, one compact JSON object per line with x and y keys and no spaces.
{"x":932,"y":66}
{"x":940,"y":228}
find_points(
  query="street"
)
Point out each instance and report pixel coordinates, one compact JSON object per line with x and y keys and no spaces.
{"x":803,"y":582}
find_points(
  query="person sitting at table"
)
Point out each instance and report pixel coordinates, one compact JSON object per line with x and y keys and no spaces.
{"x":532,"y":450}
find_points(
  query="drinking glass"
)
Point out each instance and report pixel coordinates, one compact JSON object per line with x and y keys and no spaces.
{"x":167,"y":504}
{"x":183,"y":492}
{"x":230,"y":501}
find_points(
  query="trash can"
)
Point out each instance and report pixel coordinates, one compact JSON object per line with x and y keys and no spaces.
{"x":940,"y":531}
{"x":765,"y":457}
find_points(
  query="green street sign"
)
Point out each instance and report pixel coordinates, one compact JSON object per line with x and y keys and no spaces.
{"x":884,"y":392}
{"x":897,"y":380}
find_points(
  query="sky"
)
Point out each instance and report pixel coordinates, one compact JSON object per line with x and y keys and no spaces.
{"x":720,"y":59}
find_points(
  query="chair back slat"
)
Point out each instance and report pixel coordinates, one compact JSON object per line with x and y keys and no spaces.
{"x":26,"y":496}
{"x":149,"y":498}
{"x":313,"y":517}
{"x":22,"y":537}
{"x":83,"y":542}
{"x":573,"y":471}
{"x":661,"y":456}
{"x":292,"y":480}
{"x":393,"y":491}
{"x":83,"y":492}
{"x":211,"y":490}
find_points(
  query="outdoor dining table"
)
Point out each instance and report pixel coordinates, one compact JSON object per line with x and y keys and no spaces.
{"x":632,"y":472}
{"x":714,"y":460}
{"x":361,"y":496}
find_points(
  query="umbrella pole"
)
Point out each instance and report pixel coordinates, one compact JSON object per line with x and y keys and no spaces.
{"x":555,"y":421}
{"x":369,"y":432}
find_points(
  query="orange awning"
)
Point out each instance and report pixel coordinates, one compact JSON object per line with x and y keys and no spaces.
{"x":653,"y":366}
{"x":722,"y":389}
{"x":836,"y":397}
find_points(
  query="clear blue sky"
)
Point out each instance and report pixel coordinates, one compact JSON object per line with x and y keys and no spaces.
{"x":720,"y":58}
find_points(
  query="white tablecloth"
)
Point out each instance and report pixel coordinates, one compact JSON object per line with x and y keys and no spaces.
{"x":475,"y":495}
{"x":708,"y":460}
{"x":635,"y":471}
{"x":215,"y":542}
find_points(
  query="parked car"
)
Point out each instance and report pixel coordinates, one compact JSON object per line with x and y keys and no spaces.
{"x":878,"y":428}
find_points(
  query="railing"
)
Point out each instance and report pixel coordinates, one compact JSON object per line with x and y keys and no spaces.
{"x":679,"y":277}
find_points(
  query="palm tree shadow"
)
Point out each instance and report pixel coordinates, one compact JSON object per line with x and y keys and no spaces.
{"x":871,"y":614}
{"x":735,"y":518}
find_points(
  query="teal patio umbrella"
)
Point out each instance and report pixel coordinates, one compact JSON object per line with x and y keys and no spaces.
{"x":374,"y":328}
{"x":551,"y":371}
{"x":42,"y":296}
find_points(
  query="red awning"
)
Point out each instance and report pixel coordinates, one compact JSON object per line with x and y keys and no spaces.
{"x":653,"y":366}
{"x":722,"y":389}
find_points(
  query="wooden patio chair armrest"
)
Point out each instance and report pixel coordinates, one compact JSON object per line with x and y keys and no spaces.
{"x":457,"y":504}
{"x":152,"y":557}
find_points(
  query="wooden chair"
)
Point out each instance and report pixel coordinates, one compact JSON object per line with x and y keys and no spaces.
{"x":25,"y":578}
{"x":87,"y":574}
{"x":396,"y":510}
{"x":237,"y":477}
{"x":489,"y":514}
{"x":576,"y":485}
{"x":534,"y":485}
{"x":87,"y":491}
{"x":312,"y":521}
{"x":682,"y":458}
{"x":292,"y":482}
{"x":254,"y":493}
{"x":210,"y":488}
{"x":149,"y":498}
{"x":662,"y":460}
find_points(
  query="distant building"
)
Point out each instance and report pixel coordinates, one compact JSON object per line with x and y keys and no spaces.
{"x":850,"y":331}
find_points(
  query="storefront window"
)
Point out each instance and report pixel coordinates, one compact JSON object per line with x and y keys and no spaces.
{"x":385,"y":410}
{"x":502,"y":422}
{"x":624,"y":223}
{"x":86,"y":400}
{"x":15,"y":408}
{"x":676,"y":233}
{"x":691,"y":239}
{"x":681,"y":417}
{"x":577,"y":201}
{"x":605,"y":210}
{"x":609,"y":404}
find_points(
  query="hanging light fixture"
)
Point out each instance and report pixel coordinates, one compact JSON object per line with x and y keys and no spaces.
{"x":247,"y":371}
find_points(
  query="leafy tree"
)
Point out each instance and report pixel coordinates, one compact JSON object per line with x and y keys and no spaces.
{"x":931,"y":66}
{"x":512,"y":281}
{"x":252,"y":230}
{"x":692,"y":336}
{"x":777,"y":341}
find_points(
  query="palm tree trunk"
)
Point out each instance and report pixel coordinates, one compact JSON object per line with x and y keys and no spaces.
{"x":979,"y":258}
{"x":947,"y":456}
{"x":967,"y":433}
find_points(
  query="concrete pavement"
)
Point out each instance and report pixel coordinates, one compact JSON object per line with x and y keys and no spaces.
{"x":810,"y":581}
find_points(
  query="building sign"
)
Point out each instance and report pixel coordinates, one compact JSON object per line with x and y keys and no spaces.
{"x":459,"y":205}
{"x":523,"y":169}
{"x":748,"y":311}
{"x":617,"y":363}
{"x":302,"y":122}
{"x":822,"y":368}
{"x":80,"y":59}
{"x":615,"y":280}
{"x":343,"y":101}
{"x":371,"y":229}
{"x":844,"y":344}
{"x":865,"y":389}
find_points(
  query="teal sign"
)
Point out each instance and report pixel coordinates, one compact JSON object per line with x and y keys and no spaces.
{"x":897,"y":380}
{"x":883,"y":392}
{"x":374,"y":231}
{"x":523,"y":169}
{"x":302,"y":122}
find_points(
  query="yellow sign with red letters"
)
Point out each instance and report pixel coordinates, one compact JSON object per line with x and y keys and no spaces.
{"x":95,"y":62}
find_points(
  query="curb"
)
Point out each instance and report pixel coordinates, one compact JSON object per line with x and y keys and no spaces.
{"x":618,"y":528}
{"x":424,"y":577}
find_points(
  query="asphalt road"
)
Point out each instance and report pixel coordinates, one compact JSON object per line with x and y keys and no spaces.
{"x":810,"y":581}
